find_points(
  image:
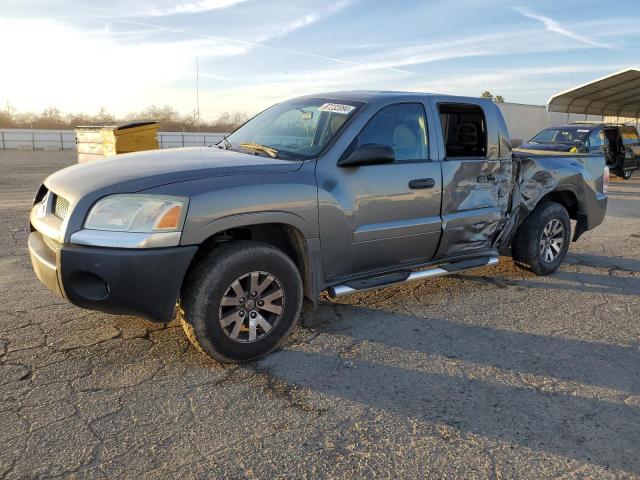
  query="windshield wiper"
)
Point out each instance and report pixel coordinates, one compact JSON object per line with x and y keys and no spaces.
{"x":226,"y":144}
{"x":272,"y":152}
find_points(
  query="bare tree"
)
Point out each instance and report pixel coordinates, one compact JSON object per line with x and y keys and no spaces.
{"x":167,"y":116}
{"x":104,"y":117}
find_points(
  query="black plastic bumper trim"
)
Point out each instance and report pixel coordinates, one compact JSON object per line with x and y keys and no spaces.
{"x":141,"y":282}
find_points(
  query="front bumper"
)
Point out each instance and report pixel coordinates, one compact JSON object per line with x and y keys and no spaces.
{"x":142,"y":282}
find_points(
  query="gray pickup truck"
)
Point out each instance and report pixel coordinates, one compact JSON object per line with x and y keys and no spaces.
{"x":338,"y":192}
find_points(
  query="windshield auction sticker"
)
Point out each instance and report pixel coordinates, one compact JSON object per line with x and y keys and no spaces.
{"x":336,"y":108}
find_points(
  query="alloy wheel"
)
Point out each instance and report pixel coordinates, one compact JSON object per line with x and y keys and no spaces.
{"x":552,"y":240}
{"x":251,"y":307}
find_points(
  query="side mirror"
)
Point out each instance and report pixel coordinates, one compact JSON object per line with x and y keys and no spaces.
{"x":368,"y":154}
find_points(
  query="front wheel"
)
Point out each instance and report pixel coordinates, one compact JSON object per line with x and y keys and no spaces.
{"x":542,"y":240}
{"x":241,"y":301}
{"x":626,"y":174}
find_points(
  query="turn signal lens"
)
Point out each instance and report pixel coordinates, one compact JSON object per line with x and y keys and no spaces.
{"x":170,"y":218}
{"x":605,"y":180}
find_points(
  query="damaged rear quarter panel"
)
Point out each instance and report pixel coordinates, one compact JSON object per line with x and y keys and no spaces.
{"x":536,"y":176}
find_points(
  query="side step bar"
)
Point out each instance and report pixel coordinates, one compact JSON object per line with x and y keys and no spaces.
{"x":403,"y":277}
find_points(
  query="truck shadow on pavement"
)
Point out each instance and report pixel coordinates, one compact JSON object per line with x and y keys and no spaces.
{"x":579,"y":282}
{"x":567,"y":397}
{"x":602,"y":261}
{"x":582,"y":281}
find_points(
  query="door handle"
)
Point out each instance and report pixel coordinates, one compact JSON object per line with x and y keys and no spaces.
{"x":422,"y":183}
{"x":489,"y":178}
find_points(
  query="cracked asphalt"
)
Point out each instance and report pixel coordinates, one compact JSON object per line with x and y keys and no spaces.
{"x":493,"y":373}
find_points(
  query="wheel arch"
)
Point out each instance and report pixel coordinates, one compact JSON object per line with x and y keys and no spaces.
{"x":568,"y":198}
{"x":278,"y":231}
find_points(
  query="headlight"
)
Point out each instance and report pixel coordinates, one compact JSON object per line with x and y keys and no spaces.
{"x":138,"y":213}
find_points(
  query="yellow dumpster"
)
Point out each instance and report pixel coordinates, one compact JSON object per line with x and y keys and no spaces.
{"x":95,"y":142}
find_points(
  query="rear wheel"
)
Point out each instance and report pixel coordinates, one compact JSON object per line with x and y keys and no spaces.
{"x":241,"y":301}
{"x":543,"y":239}
{"x":626,"y":174}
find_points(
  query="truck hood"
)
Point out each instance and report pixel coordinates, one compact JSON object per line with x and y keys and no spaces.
{"x":141,"y":170}
{"x":547,"y":147}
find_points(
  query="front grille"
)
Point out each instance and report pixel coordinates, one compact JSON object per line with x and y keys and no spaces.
{"x":60,"y":207}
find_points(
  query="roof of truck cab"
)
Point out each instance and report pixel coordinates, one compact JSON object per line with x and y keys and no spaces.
{"x":372,"y":95}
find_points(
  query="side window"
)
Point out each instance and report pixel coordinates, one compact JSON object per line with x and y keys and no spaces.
{"x":464,"y":128}
{"x":629,"y":135}
{"x":403,"y":127}
{"x":596,"y":138}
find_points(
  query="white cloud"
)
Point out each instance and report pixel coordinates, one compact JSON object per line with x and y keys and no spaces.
{"x":308,"y":19}
{"x":275,"y":31}
{"x":554,"y":26}
{"x":401,"y":59}
{"x":126,"y":69}
{"x":76,"y":70}
{"x":195,"y":7}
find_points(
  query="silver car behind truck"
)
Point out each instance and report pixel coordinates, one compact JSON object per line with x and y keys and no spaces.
{"x":339,"y":192}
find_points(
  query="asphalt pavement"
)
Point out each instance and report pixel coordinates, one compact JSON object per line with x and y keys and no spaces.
{"x":494,"y":373}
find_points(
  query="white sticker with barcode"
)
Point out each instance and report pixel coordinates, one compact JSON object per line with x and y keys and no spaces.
{"x":336,"y":108}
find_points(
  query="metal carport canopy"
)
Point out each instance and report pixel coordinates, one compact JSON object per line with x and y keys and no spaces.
{"x":616,"y":95}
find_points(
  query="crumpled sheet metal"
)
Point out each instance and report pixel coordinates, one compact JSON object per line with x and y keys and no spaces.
{"x":479,"y":194}
{"x":530,"y":182}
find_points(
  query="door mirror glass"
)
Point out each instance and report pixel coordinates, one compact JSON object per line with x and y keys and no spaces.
{"x":368,"y":154}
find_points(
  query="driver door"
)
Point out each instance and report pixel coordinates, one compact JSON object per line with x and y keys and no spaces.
{"x":381,"y":217}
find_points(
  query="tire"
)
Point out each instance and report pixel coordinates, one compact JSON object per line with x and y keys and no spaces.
{"x":528,"y":250}
{"x":626,"y":174}
{"x":234,"y":330}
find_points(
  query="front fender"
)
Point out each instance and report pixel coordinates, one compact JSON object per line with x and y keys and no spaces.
{"x":218,"y":225}
{"x":218,"y":204}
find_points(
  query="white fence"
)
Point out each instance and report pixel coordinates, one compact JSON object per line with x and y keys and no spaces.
{"x":26,"y":139}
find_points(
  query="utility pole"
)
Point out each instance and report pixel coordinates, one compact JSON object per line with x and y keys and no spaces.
{"x":197,"y":96}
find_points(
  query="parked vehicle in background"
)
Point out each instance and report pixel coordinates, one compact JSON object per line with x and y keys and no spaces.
{"x":618,"y":142}
{"x":340,"y":192}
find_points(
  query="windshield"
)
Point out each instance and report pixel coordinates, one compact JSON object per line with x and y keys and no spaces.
{"x":564,"y":135}
{"x":296,"y":129}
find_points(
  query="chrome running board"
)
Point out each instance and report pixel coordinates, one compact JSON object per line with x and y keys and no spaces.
{"x":403,"y":277}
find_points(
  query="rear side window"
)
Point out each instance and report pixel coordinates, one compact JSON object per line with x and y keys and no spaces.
{"x":403,"y":127}
{"x":629,"y":135}
{"x":465,"y":130}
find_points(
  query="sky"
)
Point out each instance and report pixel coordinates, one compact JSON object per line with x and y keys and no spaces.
{"x":80,"y":55}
